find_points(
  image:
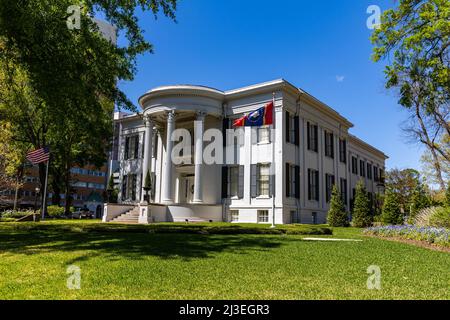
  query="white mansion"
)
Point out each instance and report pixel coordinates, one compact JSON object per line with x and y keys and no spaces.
{"x":313,"y":151}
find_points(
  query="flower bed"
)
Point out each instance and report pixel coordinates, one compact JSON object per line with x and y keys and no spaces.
{"x":439,"y":236}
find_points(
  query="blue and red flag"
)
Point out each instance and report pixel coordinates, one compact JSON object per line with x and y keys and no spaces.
{"x":261,"y":117}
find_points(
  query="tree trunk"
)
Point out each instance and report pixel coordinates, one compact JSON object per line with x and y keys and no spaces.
{"x":67,"y":189}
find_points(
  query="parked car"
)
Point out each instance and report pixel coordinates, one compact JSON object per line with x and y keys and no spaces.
{"x":82,"y":213}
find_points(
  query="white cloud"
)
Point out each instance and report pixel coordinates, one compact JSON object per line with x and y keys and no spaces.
{"x":340,"y":78}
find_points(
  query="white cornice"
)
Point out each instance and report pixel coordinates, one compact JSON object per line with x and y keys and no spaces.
{"x":364,"y":145}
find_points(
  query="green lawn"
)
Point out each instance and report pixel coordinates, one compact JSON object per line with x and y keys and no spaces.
{"x":148,"y":265}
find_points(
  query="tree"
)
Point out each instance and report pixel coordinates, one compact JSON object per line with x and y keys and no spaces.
{"x":67,"y":104}
{"x":337,"y":217}
{"x":447,"y":196}
{"x":419,"y":200}
{"x":404,"y":183}
{"x":361,"y":216}
{"x":391,"y":209}
{"x":415,"y":38}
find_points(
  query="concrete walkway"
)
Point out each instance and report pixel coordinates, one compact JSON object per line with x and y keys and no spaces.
{"x":331,"y":239}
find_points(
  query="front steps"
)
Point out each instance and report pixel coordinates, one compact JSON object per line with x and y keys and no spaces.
{"x":129,"y":217}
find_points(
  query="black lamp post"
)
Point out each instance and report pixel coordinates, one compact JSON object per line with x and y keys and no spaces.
{"x":36,"y":193}
{"x":37,"y":190}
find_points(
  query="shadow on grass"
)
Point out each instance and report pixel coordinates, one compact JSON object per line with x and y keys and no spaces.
{"x":118,"y":245}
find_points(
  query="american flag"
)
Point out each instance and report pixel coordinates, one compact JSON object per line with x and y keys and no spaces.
{"x":39,"y":155}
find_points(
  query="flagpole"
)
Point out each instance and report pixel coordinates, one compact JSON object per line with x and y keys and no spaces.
{"x":45,"y":191}
{"x":273,"y":160}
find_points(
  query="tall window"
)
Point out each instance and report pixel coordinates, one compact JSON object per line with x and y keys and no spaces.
{"x":264,"y":179}
{"x":313,"y":184}
{"x":381,"y":175}
{"x":312,"y":136}
{"x":292,"y":180}
{"x":292,"y":132}
{"x":131,"y":147}
{"x":133,"y":187}
{"x":343,"y":190}
{"x":369,"y":171}
{"x":329,"y":147}
{"x":362,"y":168}
{"x":375,"y":174}
{"x":263,"y":134}
{"x":329,"y":183}
{"x":354,"y":165}
{"x":234,"y":181}
{"x":343,"y":150}
{"x":263,"y":216}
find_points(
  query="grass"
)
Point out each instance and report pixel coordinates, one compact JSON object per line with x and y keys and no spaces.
{"x":152,"y":265}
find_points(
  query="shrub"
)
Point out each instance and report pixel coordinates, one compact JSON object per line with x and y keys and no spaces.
{"x":391,"y":209}
{"x":433,"y":217}
{"x":55,"y":211}
{"x":440,"y":218}
{"x":439,"y":236}
{"x":337,"y":217}
{"x":16,"y":214}
{"x":361,"y":216}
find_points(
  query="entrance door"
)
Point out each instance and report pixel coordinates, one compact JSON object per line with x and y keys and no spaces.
{"x":188,"y":189}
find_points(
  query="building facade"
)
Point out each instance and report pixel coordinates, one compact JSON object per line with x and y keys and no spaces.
{"x":313,"y":150}
{"x":88,"y":189}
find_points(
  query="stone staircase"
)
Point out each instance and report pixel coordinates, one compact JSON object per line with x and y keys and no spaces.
{"x":129,"y":217}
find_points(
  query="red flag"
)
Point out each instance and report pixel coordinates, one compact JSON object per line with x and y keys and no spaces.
{"x":239,"y":122}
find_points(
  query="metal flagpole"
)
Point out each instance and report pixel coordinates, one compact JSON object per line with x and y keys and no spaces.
{"x":45,"y":191}
{"x":273,"y":160}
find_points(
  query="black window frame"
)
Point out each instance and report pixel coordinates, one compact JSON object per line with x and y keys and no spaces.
{"x":343,"y":150}
{"x":329,"y":145}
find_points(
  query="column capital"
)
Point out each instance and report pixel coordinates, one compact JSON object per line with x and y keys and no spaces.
{"x":171,"y":115}
{"x":148,"y":120}
{"x":201,"y":115}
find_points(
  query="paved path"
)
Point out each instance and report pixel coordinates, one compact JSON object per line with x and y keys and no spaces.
{"x":330,"y":239}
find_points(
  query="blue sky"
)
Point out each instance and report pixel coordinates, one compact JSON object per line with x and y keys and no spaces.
{"x":322,"y":47}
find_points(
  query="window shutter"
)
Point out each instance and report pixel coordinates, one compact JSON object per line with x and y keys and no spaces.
{"x":224,"y":182}
{"x":287,"y":180}
{"x":326,"y":143}
{"x":127,"y":145}
{"x":225,"y":126}
{"x":309,"y":184}
{"x":253,"y":181}
{"x":297,"y":130}
{"x":332,"y":145}
{"x":124,"y":187}
{"x":241,"y":182}
{"x":257,"y":179}
{"x":155,"y":145}
{"x":136,"y":146}
{"x":317,"y":185}
{"x":316,"y":138}
{"x":153,"y":191}
{"x":308,"y":135}
{"x":287,"y":123}
{"x":297,"y":182}
{"x":272,"y":184}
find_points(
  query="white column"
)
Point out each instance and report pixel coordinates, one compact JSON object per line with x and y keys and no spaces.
{"x":146,"y":164}
{"x":168,"y":170}
{"x":198,"y":136}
